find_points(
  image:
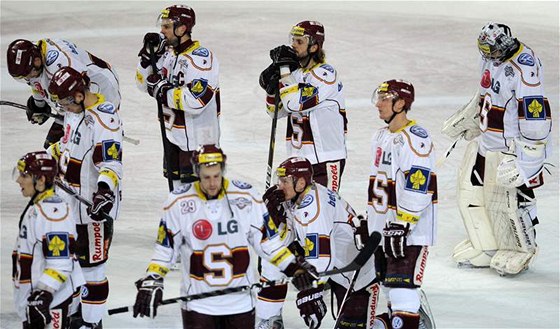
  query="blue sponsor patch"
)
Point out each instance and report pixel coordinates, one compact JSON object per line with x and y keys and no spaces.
{"x":241,"y":185}
{"x":162,"y":235}
{"x":311,"y":247}
{"x":203,"y":52}
{"x":307,"y":200}
{"x":526,"y":59}
{"x":198,"y":87}
{"x":328,"y":68}
{"x":58,"y":245}
{"x":270,"y":227}
{"x":111,"y":151}
{"x":418,"y":179}
{"x":533,"y":108}
{"x":52,"y":55}
{"x":182,"y":189}
{"x":419,"y":131}
{"x":106,"y":108}
{"x":308,"y":92}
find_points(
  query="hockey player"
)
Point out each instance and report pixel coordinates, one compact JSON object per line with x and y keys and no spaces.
{"x":311,"y":96}
{"x":35,"y":64}
{"x":511,"y":114}
{"x":322,"y":230}
{"x":402,"y":199}
{"x":186,"y":84}
{"x":90,"y":155}
{"x":45,"y":269}
{"x":209,"y":225}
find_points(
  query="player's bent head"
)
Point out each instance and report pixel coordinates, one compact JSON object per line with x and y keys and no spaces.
{"x":35,"y":172}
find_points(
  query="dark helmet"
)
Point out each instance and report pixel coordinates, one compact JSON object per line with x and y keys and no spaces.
{"x":179,"y":15}
{"x":398,"y":88}
{"x":312,"y":29}
{"x":208,"y":155}
{"x":296,"y":167}
{"x":65,"y":83}
{"x":495,"y":41}
{"x":20,"y":57}
{"x":37,"y":164}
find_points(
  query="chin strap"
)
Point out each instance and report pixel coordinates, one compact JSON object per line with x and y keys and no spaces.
{"x":394,"y":113}
{"x":29,"y":204}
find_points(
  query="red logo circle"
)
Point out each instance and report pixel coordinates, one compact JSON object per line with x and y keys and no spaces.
{"x":486,"y":80}
{"x":202,"y":229}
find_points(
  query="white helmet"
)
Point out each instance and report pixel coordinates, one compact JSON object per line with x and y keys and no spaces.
{"x":495,"y":41}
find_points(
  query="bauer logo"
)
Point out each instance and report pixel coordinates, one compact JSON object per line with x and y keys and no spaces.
{"x":52,"y":55}
{"x":418,"y":179}
{"x":526,"y":59}
{"x":202,"y":229}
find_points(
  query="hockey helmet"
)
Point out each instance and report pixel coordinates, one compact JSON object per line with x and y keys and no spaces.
{"x":208,"y":155}
{"x":179,"y":15}
{"x":20,"y":57}
{"x":495,"y":41}
{"x":314,"y":30}
{"x":296,"y":167}
{"x":65,"y":83}
{"x":37,"y":164}
{"x":398,"y":89}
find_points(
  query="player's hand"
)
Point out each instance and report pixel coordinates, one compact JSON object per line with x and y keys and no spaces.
{"x":304,"y":275}
{"x":155,"y":41}
{"x":361,"y":231}
{"x":102,"y":204}
{"x":395,"y":239}
{"x":508,"y":173}
{"x":158,"y":87}
{"x":35,"y":114}
{"x":269,"y":79}
{"x":149,"y":296}
{"x":284,"y":56}
{"x":273,"y":199}
{"x":37,"y":311}
{"x":311,"y":306}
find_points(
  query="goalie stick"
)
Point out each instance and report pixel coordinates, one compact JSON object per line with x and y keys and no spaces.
{"x":80,"y":198}
{"x":59,"y":118}
{"x":357,"y":263}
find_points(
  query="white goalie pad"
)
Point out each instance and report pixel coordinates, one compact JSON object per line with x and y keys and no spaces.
{"x":464,"y":120}
{"x":479,"y":248}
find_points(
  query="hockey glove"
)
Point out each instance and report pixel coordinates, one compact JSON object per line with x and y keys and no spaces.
{"x":284,"y":56}
{"x":303,"y":274}
{"x":269,"y":79}
{"x":507,"y":173}
{"x":273,"y":198}
{"x":361,"y":231}
{"x":103,"y":201}
{"x":395,"y":239}
{"x":37,"y":311}
{"x":149,"y":296}
{"x":155,"y":41}
{"x":311,"y":306}
{"x":37,"y":114}
{"x":158,"y":87}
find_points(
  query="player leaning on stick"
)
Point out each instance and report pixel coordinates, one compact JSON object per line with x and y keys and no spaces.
{"x":46,"y":271}
{"x":512,"y":117}
{"x":402,"y":199}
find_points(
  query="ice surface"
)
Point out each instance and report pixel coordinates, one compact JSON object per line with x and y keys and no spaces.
{"x":431,"y":44}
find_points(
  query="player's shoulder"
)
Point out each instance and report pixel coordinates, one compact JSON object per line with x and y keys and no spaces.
{"x":105,"y":114}
{"x":238,"y":187}
{"x":53,"y":209}
{"x":324,"y":72}
{"x":201,"y":57}
{"x":55,"y":53}
{"x":526,"y":63}
{"x":418,"y":139}
{"x":182,"y":192}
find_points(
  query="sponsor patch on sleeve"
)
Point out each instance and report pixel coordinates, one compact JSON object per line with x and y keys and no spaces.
{"x":106,"y":108}
{"x":201,"y":51}
{"x":57,"y":245}
{"x":526,"y":59}
{"x":418,"y":180}
{"x":419,"y":131}
{"x":198,"y":87}
{"x":52,"y":55}
{"x":111,"y":151}
{"x":533,"y":108}
{"x":163,"y":236}
{"x":311,"y":245}
{"x":241,"y":185}
{"x":307,"y":200}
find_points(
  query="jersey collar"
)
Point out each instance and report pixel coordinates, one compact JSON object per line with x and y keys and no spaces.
{"x":202,"y":195}
{"x":44,"y":195}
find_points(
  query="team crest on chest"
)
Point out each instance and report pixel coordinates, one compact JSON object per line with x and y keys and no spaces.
{"x":202,"y":229}
{"x":240,"y":203}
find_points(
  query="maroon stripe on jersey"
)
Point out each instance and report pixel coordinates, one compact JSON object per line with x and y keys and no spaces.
{"x":179,"y":118}
{"x":273,"y":294}
{"x":14,"y":265}
{"x":389,"y":190}
{"x":496,"y":118}
{"x":25,"y":262}
{"x":97,"y":292}
{"x":239,"y":261}
{"x":547,"y":109}
{"x":218,"y":102}
{"x":324,"y":246}
{"x":432,"y":187}
{"x":97,"y":156}
{"x":309,"y":103}
{"x":289,"y":131}
{"x":343,"y":113}
{"x":73,"y":170}
{"x":98,"y":61}
{"x":206,"y":97}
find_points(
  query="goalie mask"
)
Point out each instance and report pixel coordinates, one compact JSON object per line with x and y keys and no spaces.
{"x":208,"y":155}
{"x":20,"y":56}
{"x":36,"y":164}
{"x":495,"y":42}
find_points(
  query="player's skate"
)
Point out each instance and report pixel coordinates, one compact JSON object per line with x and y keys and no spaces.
{"x":426,"y":316}
{"x":274,"y":322}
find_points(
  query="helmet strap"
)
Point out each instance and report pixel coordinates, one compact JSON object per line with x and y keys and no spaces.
{"x":394,"y":112}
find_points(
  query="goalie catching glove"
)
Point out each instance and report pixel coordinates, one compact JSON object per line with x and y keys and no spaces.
{"x":149,"y":296}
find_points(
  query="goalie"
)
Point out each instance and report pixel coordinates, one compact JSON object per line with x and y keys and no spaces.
{"x":511,"y":118}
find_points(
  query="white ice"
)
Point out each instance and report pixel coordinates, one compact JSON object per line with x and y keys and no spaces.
{"x":432,"y":44}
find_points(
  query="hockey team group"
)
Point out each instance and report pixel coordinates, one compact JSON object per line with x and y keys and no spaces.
{"x":213,"y":226}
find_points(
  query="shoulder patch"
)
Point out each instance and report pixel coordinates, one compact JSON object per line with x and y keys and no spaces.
{"x":419,"y":131}
{"x":198,"y":87}
{"x":58,"y":245}
{"x":106,"y":108}
{"x":533,"y":108}
{"x":164,"y":236}
{"x":201,"y":51}
{"x":111,"y":150}
{"x":418,"y":180}
{"x":307,"y":200}
{"x":240,"y":203}
{"x":311,"y":247}
{"x":182,"y":189}
{"x":51,"y":57}
{"x":328,"y":68}
{"x":242,"y":185}
{"x":308,"y":92}
{"x":526,"y":59}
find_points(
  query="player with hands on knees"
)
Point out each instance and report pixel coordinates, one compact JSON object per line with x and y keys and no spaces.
{"x":46,"y":270}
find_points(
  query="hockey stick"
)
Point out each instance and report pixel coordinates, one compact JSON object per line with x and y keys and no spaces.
{"x":441,"y":160}
{"x":357,"y":263}
{"x":164,"y":140}
{"x":272,"y":142}
{"x":81,"y":199}
{"x":59,"y":119}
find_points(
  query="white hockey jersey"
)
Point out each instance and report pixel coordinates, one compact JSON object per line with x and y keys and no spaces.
{"x":90,"y":152}
{"x":514,"y":107}
{"x":316,"y":113}
{"x":43,"y":257}
{"x":58,"y":53}
{"x":403,"y":184}
{"x":212,"y":237}
{"x":193,"y":105}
